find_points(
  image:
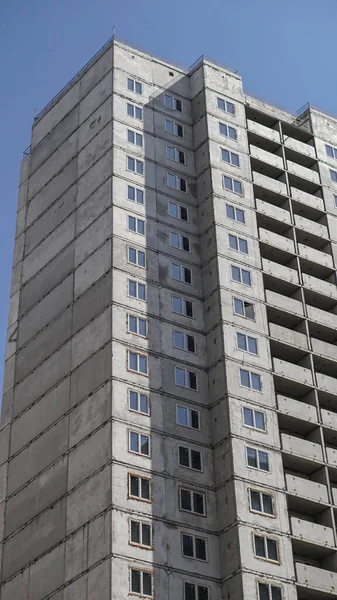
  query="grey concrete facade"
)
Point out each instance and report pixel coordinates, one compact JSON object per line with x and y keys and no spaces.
{"x":169,"y":416}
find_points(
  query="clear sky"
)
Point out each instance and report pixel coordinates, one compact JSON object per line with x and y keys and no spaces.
{"x":284,"y":50}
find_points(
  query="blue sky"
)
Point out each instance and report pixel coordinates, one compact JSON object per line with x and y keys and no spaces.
{"x":284,"y":51}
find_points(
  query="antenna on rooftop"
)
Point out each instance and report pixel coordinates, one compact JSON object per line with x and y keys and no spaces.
{"x":113,"y":30}
{"x":35,"y":113}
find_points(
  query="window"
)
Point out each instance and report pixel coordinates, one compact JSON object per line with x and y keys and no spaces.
{"x":136,"y":225}
{"x":139,"y":402}
{"x":138,"y":363}
{"x":137,"y":325}
{"x":228,"y":131}
{"x":174,"y":128}
{"x":266,"y":548}
{"x":134,"y":111}
{"x":230,"y":157}
{"x":333,"y":176}
{"x":261,"y":502}
{"x":181,"y":273}
{"x":178,"y":183}
{"x":193,"y":591}
{"x":250,"y":380}
{"x":182,"y":306}
{"x":233,"y":185}
{"x":269,"y":592}
{"x":175,"y":154}
{"x":241,"y":275}
{"x":139,"y":443}
{"x":257,"y":459}
{"x":135,"y":138}
{"x":134,"y":86}
{"x":183,"y":341}
{"x":134,"y":165}
{"x":331,"y":151}
{"x":139,"y":487}
{"x":192,"y":501}
{"x":141,"y":582}
{"x":236,"y":214}
{"x":191,"y":459}
{"x":193,"y":547}
{"x":135,"y":195}
{"x":179,"y":241}
{"x":254,"y":418}
{"x":239,"y":244}
{"x":185,"y":378}
{"x":246,"y":343}
{"x":172,"y":102}
{"x":244,"y":309}
{"x":136,"y":257}
{"x":137,"y":290}
{"x":226,"y":106}
{"x":177,"y":211}
{"x":187,"y":417}
{"x":140,"y":534}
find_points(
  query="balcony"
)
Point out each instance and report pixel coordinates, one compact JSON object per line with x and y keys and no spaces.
{"x":270,"y":184}
{"x":296,"y":409}
{"x":284,"y":303}
{"x":303,"y":172}
{"x":320,"y":286}
{"x":292,"y":371}
{"x":334,"y":495}
{"x":312,"y":532}
{"x":331,"y":455}
{"x":272,"y":211}
{"x":280,"y":271}
{"x":322,"y":317}
{"x":315,"y":256}
{"x":309,"y":200}
{"x":267,"y":157}
{"x":316,"y":579}
{"x":324,"y":349}
{"x":263,"y":131}
{"x":329,"y":418}
{"x":301,"y":447}
{"x":306,"y":489}
{"x":311,"y":227}
{"x":274,"y":239}
{"x":299,"y":147}
{"x":326,"y":383}
{"x":288,"y":336}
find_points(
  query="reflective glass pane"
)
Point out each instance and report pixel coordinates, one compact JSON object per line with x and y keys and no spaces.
{"x":200,"y":549}
{"x":184,"y":457}
{"x":170,"y":152}
{"x":140,"y":196}
{"x":267,"y":504}
{"x":185,"y":500}
{"x":175,"y":271}
{"x":255,"y":500}
{"x":272,"y":549}
{"x":132,"y":256}
{"x":221,"y":104}
{"x":188,"y":545}
{"x":190,"y":591}
{"x":134,"y":486}
{"x":135,"y":581}
{"x":130,"y":110}
{"x":225,"y":155}
{"x":144,"y":445}
{"x":182,"y":416}
{"x":276,"y":593}
{"x":141,"y":291}
{"x":141,"y":226}
{"x":244,"y":378}
{"x":133,"y":361}
{"x":146,"y":534}
{"x":248,"y":417}
{"x":240,"y":215}
{"x":133,"y":324}
{"x":230,"y":212}
{"x":131,"y":193}
{"x":131,"y":164}
{"x":196,"y":460}
{"x":235,"y":159}
{"x":228,"y":183}
{"x":246,"y":277}
{"x":198,"y":503}
{"x":242,"y":341}
{"x":145,"y":489}
{"x":130,"y":84}
{"x":174,"y":239}
{"x":138,"y":87}
{"x":230,"y":108}
{"x":143,"y":364}
{"x":256,"y":382}
{"x":263,"y":461}
{"x":133,"y":400}
{"x":223,"y":129}
{"x":169,"y":126}
{"x":251,"y":457}
{"x":134,"y":446}
{"x":142,"y":327}
{"x":177,"y":304}
{"x":141,"y":258}
{"x":168,"y":101}
{"x":252,"y":345}
{"x":232,"y":133}
{"x":131,"y":136}
{"x":178,"y":340}
{"x":259,"y":546}
{"x":135,"y":532}
{"x":237,"y":186}
{"x":259,"y":420}
{"x":139,"y":167}
{"x":147,"y":584}
{"x":238,"y":307}
{"x":263,"y":592}
{"x":171,"y":180}
{"x":173,"y":209}
{"x":138,"y":113}
{"x":143,"y":404}
{"x":243,"y":246}
{"x":180,"y":376}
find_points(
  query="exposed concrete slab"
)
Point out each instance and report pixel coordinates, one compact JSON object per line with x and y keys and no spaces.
{"x":90,"y":181}
{"x":90,"y":414}
{"x":95,"y":97}
{"x":88,"y":212}
{"x":91,"y":338}
{"x":92,"y":302}
{"x":93,"y":237}
{"x":89,"y":456}
{"x":92,"y":269}
{"x":90,"y":375}
{"x":88,"y":500}
{"x":47,"y":574}
{"x":62,"y":107}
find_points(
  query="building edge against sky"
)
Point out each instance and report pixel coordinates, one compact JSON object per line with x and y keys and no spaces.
{"x":169,"y":418}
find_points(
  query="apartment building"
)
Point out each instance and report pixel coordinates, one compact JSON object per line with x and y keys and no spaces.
{"x":169,"y":415}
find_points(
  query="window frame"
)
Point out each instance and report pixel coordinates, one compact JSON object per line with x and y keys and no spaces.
{"x":261,"y":493}
{"x":175,"y":100}
{"x":254,"y":428}
{"x":196,"y":389}
{"x":183,"y":300}
{"x":241,"y":269}
{"x":190,"y":450}
{"x":191,"y":492}
{"x":225,"y":105}
{"x":138,"y":354}
{"x":176,"y":128}
{"x":247,"y":340}
{"x":137,"y":251}
{"x":266,"y":538}
{"x":139,"y":435}
{"x":139,"y":477}
{"x":187,"y":408}
{"x":196,"y":590}
{"x":250,"y":380}
{"x":228,"y":127}
{"x":138,"y":283}
{"x":232,"y":188}
{"x":236,"y":209}
{"x":137,"y":221}
{"x":194,"y":538}
{"x":140,"y":544}
{"x":258,"y":461}
{"x":141,"y":594}
{"x":269,"y":586}
{"x":238,"y":243}
{"x":178,"y":179}
{"x":333,"y":175}
{"x":133,"y":89}
{"x":185,"y":342}
{"x":176,"y":152}
{"x":138,"y":411}
{"x":181,"y":270}
{"x":138,"y":318}
{"x":230,"y":162}
{"x":135,"y":133}
{"x":135,"y":107}
{"x":333,"y":154}
{"x":136,"y":189}
{"x":244,"y":302}
{"x":181,"y":237}
{"x":179,"y":207}
{"x":137,"y":161}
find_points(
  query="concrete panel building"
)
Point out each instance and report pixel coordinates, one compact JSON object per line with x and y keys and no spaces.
{"x":169,"y":415}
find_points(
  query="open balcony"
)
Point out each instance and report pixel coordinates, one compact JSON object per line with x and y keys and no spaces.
{"x":327,"y":384}
{"x":278,"y":241}
{"x":323,"y":318}
{"x":307,"y":490}
{"x":302,"y":448}
{"x":320,"y":580}
{"x":320,"y":286}
{"x":273,"y":185}
{"x":292,"y":371}
{"x":267,"y":157}
{"x":312,"y":228}
{"x":316,"y":256}
{"x":298,"y":410}
{"x":313,"y":533}
{"x":309,"y":201}
{"x":280,"y":271}
{"x":273,"y":212}
{"x":263,"y":131}
{"x":285,"y":303}
{"x":303,"y":172}
{"x":299,"y":147}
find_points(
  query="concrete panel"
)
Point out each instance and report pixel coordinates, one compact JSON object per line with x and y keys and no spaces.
{"x":76,"y":553}
{"x":50,"y":408}
{"x":90,"y":414}
{"x":94,"y":149}
{"x":88,"y":500}
{"x":20,"y":222}
{"x":8,"y":381}
{"x":16,"y":278}
{"x":11,"y":341}
{"x":90,"y":375}
{"x":94,"y":123}
{"x":92,"y":302}
{"x":7,"y":406}
{"x":56,"y":137}
{"x":47,"y":574}
{"x":36,"y":496}
{"x":99,"y":581}
{"x":95,"y":97}
{"x":53,"y":165}
{"x":76,"y":590}
{"x":50,"y":219}
{"x":92,"y":337}
{"x":92,"y":269}
{"x":53,"y":304}
{"x":13,"y":312}
{"x":94,"y":207}
{"x":33,"y":540}
{"x":48,"y":278}
{"x":4,"y":444}
{"x":98,"y":173}
{"x":51,"y":246}
{"x":53,"y":190}
{"x":55,"y":114}
{"x":93,"y":237}
{"x":36,"y":457}
{"x":89,"y":456}
{"x":17,"y":588}
{"x":44,"y":344}
{"x":96,"y":72}
{"x":99,"y":539}
{"x":18,"y":249}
